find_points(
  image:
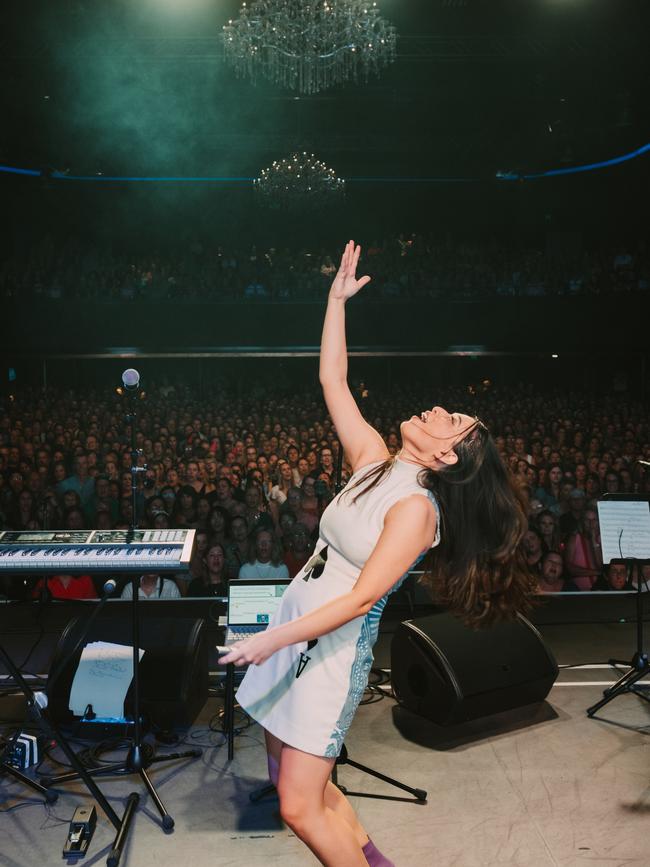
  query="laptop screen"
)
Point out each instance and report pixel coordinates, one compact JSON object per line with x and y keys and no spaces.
{"x":252,"y":603}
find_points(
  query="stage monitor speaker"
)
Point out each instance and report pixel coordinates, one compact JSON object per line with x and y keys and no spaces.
{"x":173,"y":669}
{"x":449,"y":673}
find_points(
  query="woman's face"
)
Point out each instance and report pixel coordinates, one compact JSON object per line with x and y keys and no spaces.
{"x":214,"y":559}
{"x":239,"y":529}
{"x":186,"y":502}
{"x":223,"y":489}
{"x":203,"y":508}
{"x":546,"y":525}
{"x":25,"y":501}
{"x":430,"y":438}
{"x":263,"y":546}
{"x":69,"y":499}
{"x":531,"y":543}
{"x":252,"y":497}
{"x":287,"y":520}
{"x":303,"y":466}
{"x":293,"y":499}
{"x":217,"y":522}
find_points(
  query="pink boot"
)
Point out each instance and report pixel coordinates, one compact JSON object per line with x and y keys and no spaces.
{"x":374,"y":856}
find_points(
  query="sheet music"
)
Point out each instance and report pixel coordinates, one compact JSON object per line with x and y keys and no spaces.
{"x":624,"y":529}
{"x":102,"y":679}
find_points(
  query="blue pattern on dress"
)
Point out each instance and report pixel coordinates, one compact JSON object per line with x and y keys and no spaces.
{"x":363,"y":657}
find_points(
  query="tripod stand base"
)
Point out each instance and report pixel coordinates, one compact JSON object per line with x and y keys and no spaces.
{"x":264,"y":792}
{"x":640,"y":667}
{"x":120,"y":839}
{"x":50,"y":796}
{"x":343,"y":759}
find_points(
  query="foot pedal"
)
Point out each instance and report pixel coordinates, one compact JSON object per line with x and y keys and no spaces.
{"x":82,"y":828}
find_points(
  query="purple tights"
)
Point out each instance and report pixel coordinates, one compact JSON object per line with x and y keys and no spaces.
{"x":374,"y":856}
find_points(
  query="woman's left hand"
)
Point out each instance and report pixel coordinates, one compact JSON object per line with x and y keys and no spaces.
{"x":253,"y":651}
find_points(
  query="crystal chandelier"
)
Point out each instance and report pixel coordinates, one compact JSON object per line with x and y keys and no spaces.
{"x":309,"y":45}
{"x":299,"y":181}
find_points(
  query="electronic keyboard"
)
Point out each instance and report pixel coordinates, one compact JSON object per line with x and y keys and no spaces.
{"x":83,"y":551}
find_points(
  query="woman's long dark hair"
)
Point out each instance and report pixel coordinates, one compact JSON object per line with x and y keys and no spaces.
{"x":478,"y":571}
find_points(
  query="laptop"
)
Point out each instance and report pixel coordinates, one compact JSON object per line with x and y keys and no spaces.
{"x":251,"y":604}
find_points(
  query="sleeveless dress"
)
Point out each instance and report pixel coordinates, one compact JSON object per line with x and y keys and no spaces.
{"x":306,"y":694}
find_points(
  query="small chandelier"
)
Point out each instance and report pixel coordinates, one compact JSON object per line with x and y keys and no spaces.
{"x":309,"y":45}
{"x":299,"y":181}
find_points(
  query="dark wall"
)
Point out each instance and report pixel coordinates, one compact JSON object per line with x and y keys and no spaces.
{"x":575,"y":324}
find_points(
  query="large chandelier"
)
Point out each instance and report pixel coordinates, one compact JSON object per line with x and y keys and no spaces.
{"x":309,"y":45}
{"x":299,"y":181}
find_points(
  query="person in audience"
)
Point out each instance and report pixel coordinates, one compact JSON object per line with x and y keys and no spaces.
{"x":280,"y":490}
{"x":547,"y":524}
{"x":213,"y":580}
{"x":264,"y":557}
{"x":66,"y":587}
{"x":80,"y":481}
{"x":299,"y":550}
{"x":614,"y":578}
{"x":237,"y":548}
{"x":583,"y":555}
{"x":153,"y":586}
{"x":550,"y":496}
{"x":185,"y":508}
{"x":533,"y":545}
{"x":197,"y":562}
{"x":553,"y":578}
{"x":645,"y":577}
{"x":218,"y":521}
{"x":571,"y":520}
{"x":258,"y":513}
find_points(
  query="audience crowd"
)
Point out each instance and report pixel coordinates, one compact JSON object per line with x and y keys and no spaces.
{"x":253,"y":474}
{"x":409,"y":266}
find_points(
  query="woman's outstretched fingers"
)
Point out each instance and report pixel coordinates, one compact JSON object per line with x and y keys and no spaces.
{"x":355,"y":260}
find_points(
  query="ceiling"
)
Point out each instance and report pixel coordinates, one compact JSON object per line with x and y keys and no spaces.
{"x":140,"y":87}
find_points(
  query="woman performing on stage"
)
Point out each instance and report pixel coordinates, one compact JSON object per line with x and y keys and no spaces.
{"x":446,"y":499}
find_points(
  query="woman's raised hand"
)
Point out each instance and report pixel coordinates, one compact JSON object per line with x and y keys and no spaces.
{"x":345,"y":283}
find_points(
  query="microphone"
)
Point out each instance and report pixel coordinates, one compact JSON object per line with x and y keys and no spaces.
{"x":131,"y":379}
{"x":109,"y":587}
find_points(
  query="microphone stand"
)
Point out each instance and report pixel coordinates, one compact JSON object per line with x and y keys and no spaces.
{"x":419,"y":795}
{"x":343,"y":759}
{"x":135,"y":761}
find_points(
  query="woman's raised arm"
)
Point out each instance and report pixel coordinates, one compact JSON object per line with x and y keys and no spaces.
{"x":360,"y":441}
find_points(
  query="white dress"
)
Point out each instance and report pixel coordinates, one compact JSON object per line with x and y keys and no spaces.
{"x":307,"y":694}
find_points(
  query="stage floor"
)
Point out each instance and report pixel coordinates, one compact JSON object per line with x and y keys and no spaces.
{"x":541,"y":787}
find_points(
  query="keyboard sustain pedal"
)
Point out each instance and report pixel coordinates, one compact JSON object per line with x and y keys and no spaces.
{"x":82,"y":828}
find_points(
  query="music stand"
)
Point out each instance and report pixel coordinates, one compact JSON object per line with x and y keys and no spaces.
{"x":625,"y":525}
